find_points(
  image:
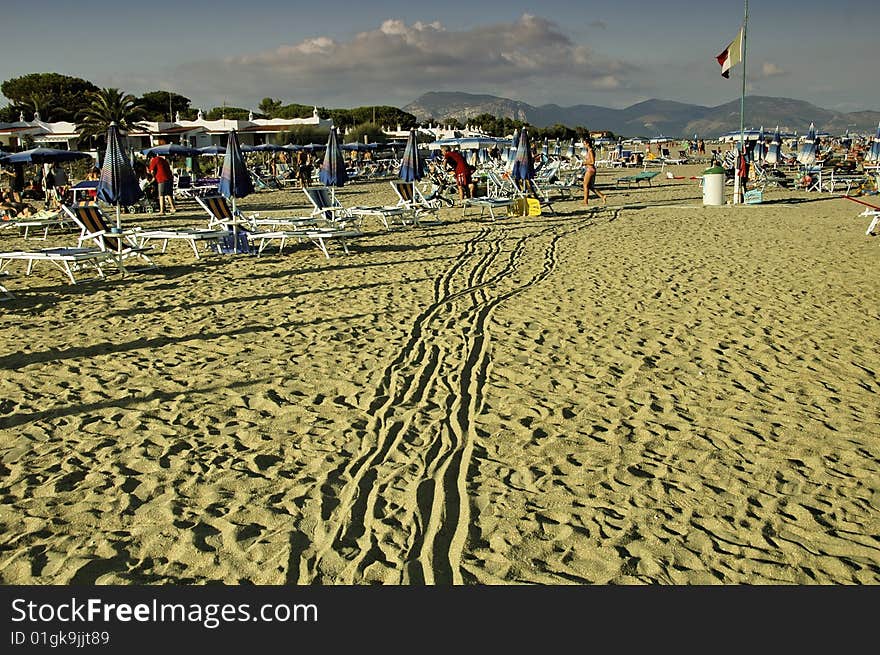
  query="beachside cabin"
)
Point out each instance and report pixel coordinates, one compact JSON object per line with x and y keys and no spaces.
{"x":60,"y":135}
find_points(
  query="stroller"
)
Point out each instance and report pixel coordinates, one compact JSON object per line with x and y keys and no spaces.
{"x":440,"y":184}
{"x":149,"y":202}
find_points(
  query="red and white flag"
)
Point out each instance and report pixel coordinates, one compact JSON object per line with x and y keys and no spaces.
{"x":732,"y":54}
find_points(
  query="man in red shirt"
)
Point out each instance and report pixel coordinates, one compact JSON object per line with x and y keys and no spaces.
{"x":463,"y":173}
{"x":160,"y":169}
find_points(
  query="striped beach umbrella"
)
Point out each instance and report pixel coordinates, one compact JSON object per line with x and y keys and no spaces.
{"x":411,"y":164}
{"x":118,"y":184}
{"x":809,"y":148}
{"x":235,"y":180}
{"x":523,"y":162}
{"x":332,"y":172}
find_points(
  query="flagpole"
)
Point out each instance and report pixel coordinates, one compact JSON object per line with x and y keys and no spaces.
{"x":742,"y":109}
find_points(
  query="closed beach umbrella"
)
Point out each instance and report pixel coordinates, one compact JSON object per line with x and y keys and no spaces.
{"x":411,"y":164}
{"x":774,"y":150}
{"x":760,"y":150}
{"x":807,"y":154}
{"x":523,"y":162}
{"x":235,"y":180}
{"x":332,"y":172}
{"x":873,"y":154}
{"x":569,"y":151}
{"x":511,"y":152}
{"x":118,"y":184}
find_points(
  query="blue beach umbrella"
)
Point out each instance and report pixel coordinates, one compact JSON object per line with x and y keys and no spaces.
{"x":118,"y":184}
{"x":235,"y":180}
{"x":523,"y":162}
{"x":212,"y":150}
{"x":332,"y":172}
{"x":170,"y":150}
{"x":873,"y":154}
{"x":411,"y":164}
{"x":807,"y":154}
{"x":43,"y":156}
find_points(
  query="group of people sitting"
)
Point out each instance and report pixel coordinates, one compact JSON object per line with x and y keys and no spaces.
{"x":13,"y":206}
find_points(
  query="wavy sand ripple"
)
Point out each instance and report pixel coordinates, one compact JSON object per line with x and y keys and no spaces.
{"x":659,"y":393}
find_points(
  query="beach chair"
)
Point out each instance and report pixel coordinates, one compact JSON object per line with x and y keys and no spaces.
{"x":93,"y":227}
{"x":531,"y":189}
{"x":69,"y":260}
{"x":325,"y":203}
{"x":43,"y":220}
{"x":412,"y":200}
{"x":638,"y":178}
{"x":221,"y":216}
{"x":318,"y":236}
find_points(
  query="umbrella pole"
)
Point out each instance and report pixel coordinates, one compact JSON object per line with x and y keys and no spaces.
{"x":118,"y":219}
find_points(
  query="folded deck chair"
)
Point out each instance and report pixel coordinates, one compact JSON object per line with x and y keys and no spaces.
{"x":68,"y":260}
{"x":93,"y":227}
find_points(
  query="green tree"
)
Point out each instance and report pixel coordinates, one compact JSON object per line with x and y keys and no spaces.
{"x":269,"y":107}
{"x":303,"y":135}
{"x":8,"y":114}
{"x":66,"y":95}
{"x":108,"y":106}
{"x":230,"y":113}
{"x":158,"y":104}
{"x":372,"y":131}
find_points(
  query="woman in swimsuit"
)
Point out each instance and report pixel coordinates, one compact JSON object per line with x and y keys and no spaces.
{"x":590,"y":174}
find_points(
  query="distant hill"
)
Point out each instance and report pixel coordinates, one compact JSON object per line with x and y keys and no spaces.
{"x":651,"y":117}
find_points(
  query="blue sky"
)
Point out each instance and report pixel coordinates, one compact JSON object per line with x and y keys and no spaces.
{"x":389,"y":52}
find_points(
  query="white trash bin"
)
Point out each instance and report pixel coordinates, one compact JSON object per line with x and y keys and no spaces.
{"x":713,"y":186}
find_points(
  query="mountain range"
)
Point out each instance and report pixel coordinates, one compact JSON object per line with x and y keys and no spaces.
{"x":651,"y":117}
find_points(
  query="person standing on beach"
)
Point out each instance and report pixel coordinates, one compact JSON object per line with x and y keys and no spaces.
{"x":160,"y":170}
{"x":463,"y":175}
{"x":590,"y":173}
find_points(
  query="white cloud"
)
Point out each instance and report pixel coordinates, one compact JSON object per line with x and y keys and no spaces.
{"x":769,"y":69}
{"x":397,"y":62}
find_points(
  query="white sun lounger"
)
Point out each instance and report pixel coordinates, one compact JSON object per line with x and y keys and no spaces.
{"x":68,"y":260}
{"x":191,"y":235}
{"x":318,"y":236}
{"x":487,"y":203}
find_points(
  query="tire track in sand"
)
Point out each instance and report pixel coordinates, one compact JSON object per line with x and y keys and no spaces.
{"x":402,"y":514}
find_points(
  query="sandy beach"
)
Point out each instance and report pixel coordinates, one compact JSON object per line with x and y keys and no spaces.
{"x":652,"y":393}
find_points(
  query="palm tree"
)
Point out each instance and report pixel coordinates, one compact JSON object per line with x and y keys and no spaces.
{"x":109,"y":106}
{"x":42,"y":104}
